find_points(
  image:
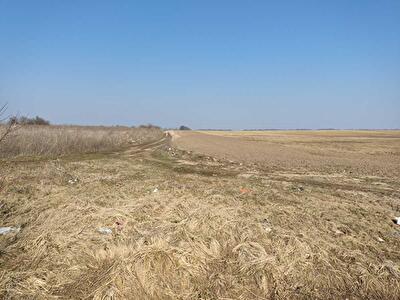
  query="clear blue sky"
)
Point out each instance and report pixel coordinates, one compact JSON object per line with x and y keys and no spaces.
{"x":205,"y":64}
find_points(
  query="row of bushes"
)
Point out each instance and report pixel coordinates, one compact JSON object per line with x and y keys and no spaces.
{"x":40,"y":121}
{"x":28,"y":121}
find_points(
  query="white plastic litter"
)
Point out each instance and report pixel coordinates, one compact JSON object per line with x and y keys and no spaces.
{"x":104,"y":230}
{"x":155,"y":190}
{"x":5,"y":230}
{"x":268,"y":229}
{"x":396,"y":220}
{"x":72,"y":181}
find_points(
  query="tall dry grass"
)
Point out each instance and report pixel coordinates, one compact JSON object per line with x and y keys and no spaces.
{"x":197,"y":237}
{"x":53,"y":140}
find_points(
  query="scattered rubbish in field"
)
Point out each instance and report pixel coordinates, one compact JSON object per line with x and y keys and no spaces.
{"x":104,"y":230}
{"x":244,"y":191}
{"x":73,"y":181}
{"x":171,"y":151}
{"x":155,"y":190}
{"x":268,"y":229}
{"x":5,"y":230}
{"x":110,"y":293}
{"x":396,"y":234}
{"x":338,"y":232}
{"x":266,"y":225}
{"x":380,"y":240}
{"x":120,"y":225}
{"x":396,"y":220}
{"x":298,"y":188}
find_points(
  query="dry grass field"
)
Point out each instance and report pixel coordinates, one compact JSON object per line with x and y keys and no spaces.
{"x":216,"y":215}
{"x":39,"y":140}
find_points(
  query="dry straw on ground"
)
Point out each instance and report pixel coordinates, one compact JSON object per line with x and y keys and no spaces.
{"x":182,"y":229}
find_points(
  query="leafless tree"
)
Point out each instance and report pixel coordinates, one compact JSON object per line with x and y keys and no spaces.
{"x":9,"y":125}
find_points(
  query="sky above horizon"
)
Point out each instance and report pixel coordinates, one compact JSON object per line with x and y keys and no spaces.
{"x":204,"y":64}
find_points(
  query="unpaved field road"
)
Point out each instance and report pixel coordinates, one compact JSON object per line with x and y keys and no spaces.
{"x":364,"y":152}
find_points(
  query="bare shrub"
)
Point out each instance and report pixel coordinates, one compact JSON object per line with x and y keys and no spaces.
{"x":28,"y":121}
{"x":31,"y":140}
{"x":149,"y":126}
{"x":9,"y":127}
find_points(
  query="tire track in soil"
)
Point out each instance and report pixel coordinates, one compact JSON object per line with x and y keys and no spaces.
{"x":137,"y":150}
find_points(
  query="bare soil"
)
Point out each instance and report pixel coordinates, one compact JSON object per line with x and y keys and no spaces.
{"x":365,"y":152}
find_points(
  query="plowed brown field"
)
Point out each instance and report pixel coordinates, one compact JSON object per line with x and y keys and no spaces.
{"x":365,"y":152}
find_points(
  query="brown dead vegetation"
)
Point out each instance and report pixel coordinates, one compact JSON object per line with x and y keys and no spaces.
{"x":190,"y":226}
{"x":41,"y":140}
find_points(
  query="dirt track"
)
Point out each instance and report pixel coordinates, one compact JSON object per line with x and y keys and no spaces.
{"x":370,"y":153}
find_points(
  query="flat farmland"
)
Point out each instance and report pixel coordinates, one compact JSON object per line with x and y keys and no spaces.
{"x":203,"y":215}
{"x":363,"y":152}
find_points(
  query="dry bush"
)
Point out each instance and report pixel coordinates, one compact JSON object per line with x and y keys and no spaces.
{"x":23,"y":120}
{"x":9,"y":125}
{"x":62,"y":140}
